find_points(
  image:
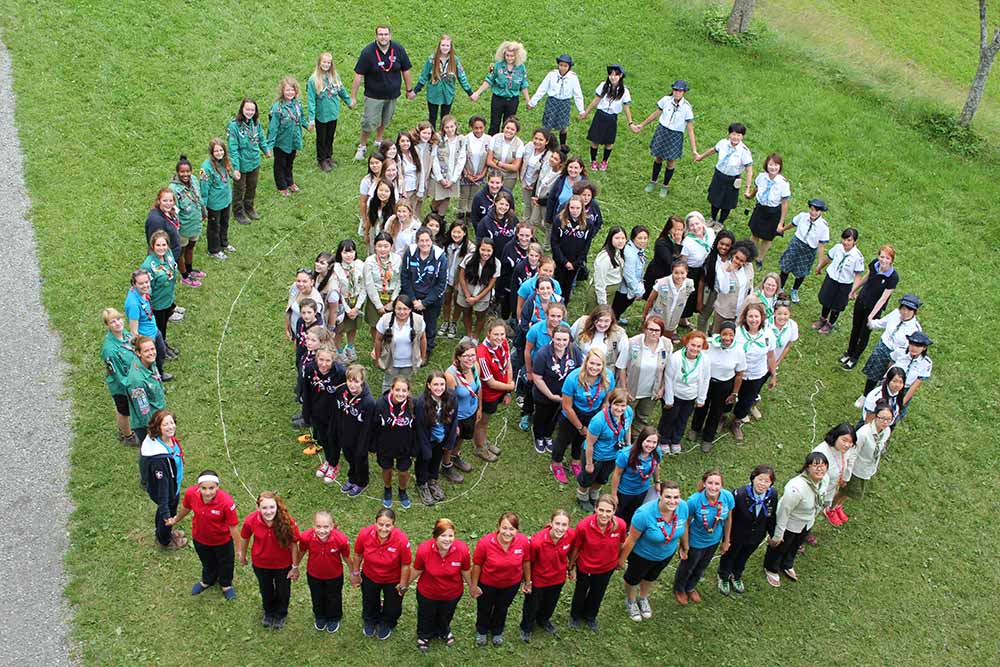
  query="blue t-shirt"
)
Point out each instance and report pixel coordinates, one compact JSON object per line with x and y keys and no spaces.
{"x":138,"y":309}
{"x":633,"y":482}
{"x":608,"y":442}
{"x":584,"y":400}
{"x":654,"y":531}
{"x":538,"y":335}
{"x":701,"y":512}
{"x":527,"y":288}
{"x":468,"y":401}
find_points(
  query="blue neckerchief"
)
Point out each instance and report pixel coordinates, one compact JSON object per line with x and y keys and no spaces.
{"x":759,"y":500}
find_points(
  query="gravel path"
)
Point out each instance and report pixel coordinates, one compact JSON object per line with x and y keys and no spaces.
{"x":34,"y":463}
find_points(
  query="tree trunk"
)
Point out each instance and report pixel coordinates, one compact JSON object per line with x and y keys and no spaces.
{"x":987,"y":53}
{"x":739,"y":18}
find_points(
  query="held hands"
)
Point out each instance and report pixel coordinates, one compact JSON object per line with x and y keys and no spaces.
{"x":269,"y":154}
{"x":475,"y":96}
{"x":725,"y":546}
{"x":526,"y":587}
{"x":236,"y":175}
{"x":583,"y":115}
{"x":589,"y":468}
{"x":506,"y":400}
{"x":171,"y":521}
{"x":774,"y":543}
{"x":401,"y":589}
{"x":243,"y":559}
{"x":475,"y":592}
{"x":731,"y":399}
{"x":418,"y":304}
{"x":356,"y":580}
{"x":683,"y":553}
{"x":312,"y":125}
{"x":293,"y":574}
{"x":411,"y":95}
{"x":288,"y":333}
{"x":635,"y":127}
{"x":698,"y":157}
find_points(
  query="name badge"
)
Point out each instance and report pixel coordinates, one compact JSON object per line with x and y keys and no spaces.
{"x":456,"y":563}
{"x":518,"y":551}
{"x":391,"y":549}
{"x":215,"y":512}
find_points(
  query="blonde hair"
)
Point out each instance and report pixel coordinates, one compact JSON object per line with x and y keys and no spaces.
{"x":520,"y":55}
{"x":320,"y":78}
{"x":564,"y":218}
{"x":288,"y":81}
{"x":323,"y":335}
{"x":601,"y":377}
{"x":357,"y":372}
{"x":109,"y":314}
{"x":323,"y":514}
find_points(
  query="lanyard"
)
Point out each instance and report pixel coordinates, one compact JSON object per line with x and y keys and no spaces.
{"x":391,"y":59}
{"x":662,"y":525}
{"x":718,"y":514}
{"x":685,"y":369}
{"x":616,"y":426}
{"x":586,"y":393}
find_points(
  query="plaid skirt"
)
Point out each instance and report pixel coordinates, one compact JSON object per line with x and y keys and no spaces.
{"x":603,"y":129}
{"x":556,"y":114}
{"x":667,"y":144}
{"x":797,"y":259}
{"x":878,"y":362}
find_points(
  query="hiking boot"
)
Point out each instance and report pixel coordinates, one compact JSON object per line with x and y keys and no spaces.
{"x":736,"y":428}
{"x":452,"y":474}
{"x":252,"y":214}
{"x":436,"y":491}
{"x":425,"y":494}
{"x":461,"y":463}
{"x":485,"y":454}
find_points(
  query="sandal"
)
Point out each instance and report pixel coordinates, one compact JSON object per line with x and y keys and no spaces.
{"x":423,"y":645}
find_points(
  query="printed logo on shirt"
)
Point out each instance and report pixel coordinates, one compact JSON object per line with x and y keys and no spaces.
{"x":391,"y":550}
{"x":158,"y":474}
{"x":456,"y":563}
{"x":215,"y":512}
{"x":518,"y":551}
{"x":565,"y":547}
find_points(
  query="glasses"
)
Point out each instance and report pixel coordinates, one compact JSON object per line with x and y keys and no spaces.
{"x":654,"y":329}
{"x":884,"y":419}
{"x":468,"y":355}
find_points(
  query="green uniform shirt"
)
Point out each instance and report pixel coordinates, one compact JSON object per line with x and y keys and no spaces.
{"x":324,"y":105}
{"x":118,"y":358}
{"x":246,"y":143}
{"x":190,"y":207}
{"x":145,"y":394}
{"x":442,"y":92}
{"x":284,"y":130}
{"x":506,"y":83}
{"x":162,"y":279}
{"x":216,"y":188}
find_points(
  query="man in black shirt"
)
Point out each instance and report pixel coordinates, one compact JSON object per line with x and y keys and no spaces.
{"x":380,"y":65}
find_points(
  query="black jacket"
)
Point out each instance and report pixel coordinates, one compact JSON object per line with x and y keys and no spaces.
{"x":748,"y":526}
{"x":159,"y":477}
{"x":482,"y":203}
{"x":156,"y":222}
{"x":424,"y":431}
{"x":318,"y":400}
{"x":352,"y":419}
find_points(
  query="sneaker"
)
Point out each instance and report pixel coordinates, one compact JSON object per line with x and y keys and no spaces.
{"x":179,"y":309}
{"x":539,"y":446}
{"x":481,"y":640}
{"x":549,"y":627}
{"x":849,"y":364}
{"x":594,"y":165}
{"x":190,"y":282}
{"x":352,"y":353}
{"x":576,"y":468}
{"x":585,"y":505}
{"x":404,"y":500}
{"x":644,"y":608}
{"x":230,"y":247}
{"x":818,"y":324}
{"x":694,"y":596}
{"x":664,"y":189}
{"x":452,"y":474}
{"x":346,"y":488}
{"x":425,"y":494}
{"x":198,"y":588}
{"x":723,"y":586}
{"x":266,"y":621}
{"x":773,"y":578}
{"x":369,"y":630}
{"x":383,"y":632}
{"x":737,"y":430}
{"x":760,"y":265}
{"x":559,"y":472}
{"x":423,"y":645}
{"x":650,"y":187}
{"x":498,"y":640}
{"x":176,"y":317}
{"x":623,"y":321}
{"x":843,"y":359}
{"x":229,"y":594}
{"x":387,"y":498}
{"x":242,"y":219}
{"x":832,"y":517}
{"x":632,"y":609}
{"x":436,"y":491}
{"x":443,"y":329}
{"x":461,"y":463}
{"x":603,"y":166}
{"x":322,"y":470}
{"x":452,"y":329}
{"x":525,"y":422}
{"x":332,"y":626}
{"x":299,"y":422}
{"x":826,"y":329}
{"x":356,"y":491}
{"x":694,"y":436}
{"x":860,"y":402}
{"x":706,"y":446}
{"x":218,"y":255}
{"x":524,"y":635}
{"x":195,"y":273}
{"x":548,"y":445}
{"x":738,"y":586}
{"x":132,"y":440}
{"x":675,"y":448}
{"x":795,"y":295}
{"x":493,"y":448}
{"x":320,"y":624}
{"x":359,"y":154}
{"x":252,"y":213}
{"x":592,"y":624}
{"x":331,"y":475}
{"x":755,"y":413}
{"x":277,"y":623}
{"x":167,"y":377}
{"x":485,"y":454}
{"x":839,"y":509}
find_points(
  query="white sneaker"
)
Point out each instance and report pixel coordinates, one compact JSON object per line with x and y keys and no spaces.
{"x":860,"y":403}
{"x":632,"y":609}
{"x":321,"y":471}
{"x":231,"y":248}
{"x":176,"y":317}
{"x":675,"y":448}
{"x":644,"y":608}
{"x":219,"y":255}
{"x":359,"y":155}
{"x":755,"y":413}
{"x":178,"y":309}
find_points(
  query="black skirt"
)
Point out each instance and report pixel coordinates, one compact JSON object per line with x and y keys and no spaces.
{"x":764,"y":221}
{"x":690,"y":307}
{"x":603,"y":129}
{"x":721,"y":192}
{"x":834,"y":295}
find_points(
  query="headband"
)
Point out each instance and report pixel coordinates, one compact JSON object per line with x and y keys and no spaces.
{"x":208,"y":478}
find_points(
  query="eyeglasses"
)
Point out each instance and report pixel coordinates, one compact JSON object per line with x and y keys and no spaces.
{"x":884,"y":419}
{"x":654,"y":329}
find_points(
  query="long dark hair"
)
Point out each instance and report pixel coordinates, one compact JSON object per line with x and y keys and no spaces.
{"x":346,"y":244}
{"x":448,"y":402}
{"x":713,"y":255}
{"x":329,"y":272}
{"x":609,"y":247}
{"x":891,"y":375}
{"x":375,"y":209}
{"x":464,"y":249}
{"x":472,"y":268}
{"x":636,"y":450}
{"x":611,"y":91}
{"x":239,"y":112}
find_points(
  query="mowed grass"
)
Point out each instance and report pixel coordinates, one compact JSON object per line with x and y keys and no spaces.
{"x":108,"y":96}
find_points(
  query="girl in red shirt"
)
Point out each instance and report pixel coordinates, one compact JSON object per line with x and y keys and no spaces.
{"x":500,"y":562}
{"x":594,"y":557}
{"x":497,"y":376}
{"x":275,"y":550}
{"x":549,"y":555}
{"x":214,"y":531}
{"x":380,"y":565}
{"x":328,"y":550}
{"x":441,"y":565}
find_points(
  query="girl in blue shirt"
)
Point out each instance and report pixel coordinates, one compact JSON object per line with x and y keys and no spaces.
{"x":659,"y":530}
{"x":632,"y":286}
{"x":607,"y":433}
{"x":636,"y":469}
{"x":462,"y":378}
{"x":583,"y":395}
{"x":709,"y":522}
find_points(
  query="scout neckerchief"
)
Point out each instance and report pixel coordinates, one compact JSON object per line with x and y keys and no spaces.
{"x":768,"y":303}
{"x":779,"y":334}
{"x":319,"y":381}
{"x":537,"y":312}
{"x":768,"y":184}
{"x":350,"y":401}
{"x":677,"y":106}
{"x":167,"y":265}
{"x":460,"y":376}
{"x":700,"y":241}
{"x":759,"y":501}
{"x":291,"y":110}
{"x":812,"y":223}
{"x":817,"y":496}
{"x":385,"y":270}
{"x":331,"y":86}
{"x":652,"y":468}
{"x":248,"y":128}
{"x":561,"y":365}
{"x":350,"y":279}
{"x":843,"y":258}
{"x":730,"y":151}
{"x":616,"y":425}
{"x":505,"y":230}
{"x":428,"y":270}
{"x":499,"y":356}
{"x":507,"y":72}
{"x":188,"y":192}
{"x":753,"y":340}
{"x":661,"y":523}
{"x":686,"y":370}
{"x":591,"y":400}
{"x":704,"y":513}
{"x":144,"y":304}
{"x":397,"y":419}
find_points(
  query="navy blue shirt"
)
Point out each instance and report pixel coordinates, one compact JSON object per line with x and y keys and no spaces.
{"x":382,"y":70}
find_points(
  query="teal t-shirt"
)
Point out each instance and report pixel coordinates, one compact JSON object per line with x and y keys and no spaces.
{"x":587,"y":400}
{"x":163,"y":279}
{"x":635,"y":481}
{"x":708,"y":522}
{"x":658,"y":539}
{"x":611,"y":434}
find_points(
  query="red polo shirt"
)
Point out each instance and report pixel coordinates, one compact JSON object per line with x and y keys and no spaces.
{"x":382,"y":562}
{"x":210,"y":522}
{"x":325,"y":557}
{"x":549,"y":561}
{"x":501,"y":569}
{"x":265,"y":551}
{"x":598,"y":550}
{"x":493,"y":366}
{"x":442,"y":576}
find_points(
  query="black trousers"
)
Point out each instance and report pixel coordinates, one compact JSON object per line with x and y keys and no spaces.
{"x":568,"y":437}
{"x":381,"y":604}
{"x":674,"y":421}
{"x":283,"y":176}
{"x":734,"y":561}
{"x":434,"y":617}
{"x":216,"y":563}
{"x":432,"y":112}
{"x":325,"y":133}
{"x":162,"y":318}
{"x":860,"y":333}
{"x":322,"y":434}
{"x":588,"y":595}
{"x":749,"y":391}
{"x":428,"y":469}
{"x":706,"y":418}
{"x":689,"y":571}
{"x":501,"y":108}
{"x":163,"y":512}
{"x":245,"y":192}
{"x":627,"y":505}
{"x":275,"y":590}
{"x":782,"y":557}
{"x":539,"y":605}
{"x":620,"y":304}
{"x":546,"y":413}
{"x":431,"y":314}
{"x":327,"y":597}
{"x":491,"y":608}
{"x":356,"y":454}
{"x":218,"y":230}
{"x":566,"y":279}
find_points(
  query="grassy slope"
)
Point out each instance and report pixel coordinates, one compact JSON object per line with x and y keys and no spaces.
{"x":109,"y":96}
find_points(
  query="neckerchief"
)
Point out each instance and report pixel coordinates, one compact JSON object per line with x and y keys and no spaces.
{"x":460,"y":378}
{"x":397,"y":419}
{"x":561,"y":366}
{"x":759,"y":501}
{"x":686,"y":371}
{"x":652,"y":468}
{"x":768,"y":304}
{"x":249,"y":129}
{"x":818,"y":497}
{"x":616,"y":426}
{"x":718,"y":513}
{"x":661,"y":523}
{"x":591,"y":400}
{"x":499,"y":356}
{"x":753,"y":340}
{"x":291,"y":110}
{"x":144,"y":304}
{"x":702,"y":242}
{"x":349,"y":401}
{"x":779,"y":334}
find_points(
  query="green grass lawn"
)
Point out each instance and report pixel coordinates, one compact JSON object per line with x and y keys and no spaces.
{"x":109,"y":95}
